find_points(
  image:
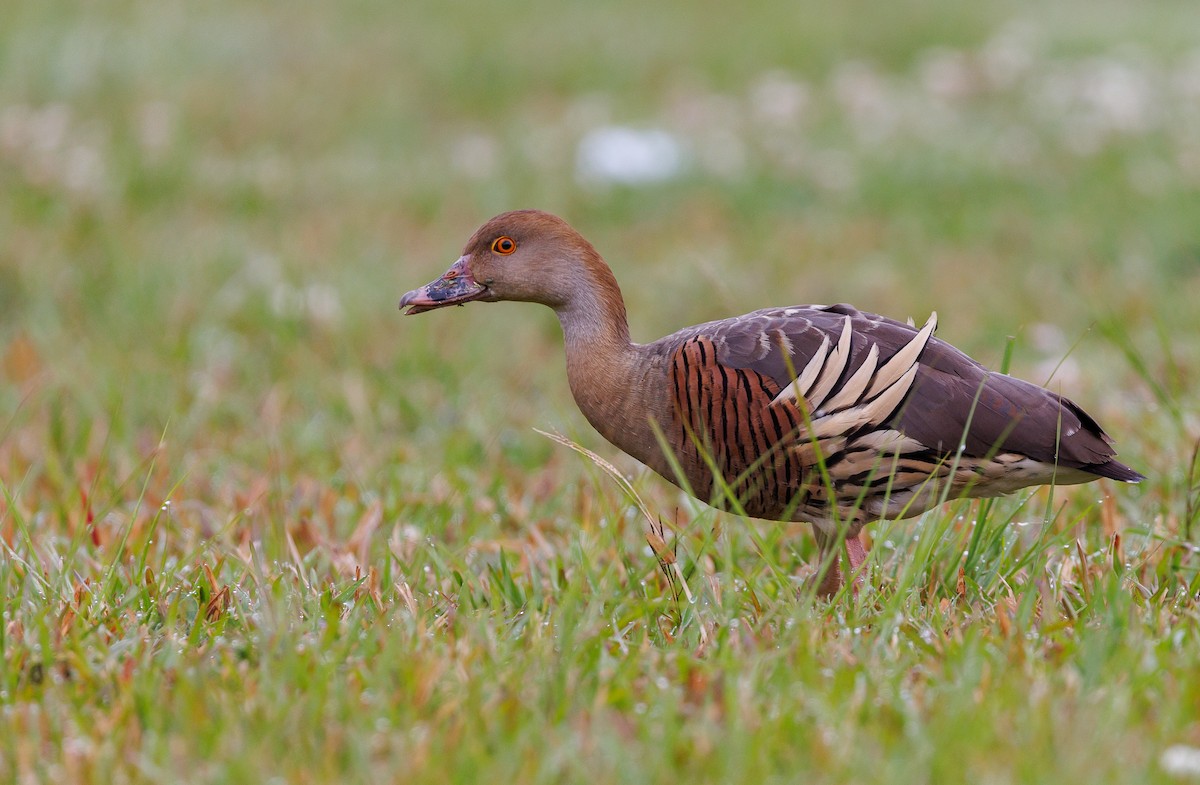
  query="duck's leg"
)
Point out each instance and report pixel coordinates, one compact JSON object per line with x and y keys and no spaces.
{"x":829,"y":559}
{"x":829,"y":562}
{"x":857,"y":552}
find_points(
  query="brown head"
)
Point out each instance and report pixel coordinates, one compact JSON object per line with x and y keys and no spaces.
{"x":531,"y":256}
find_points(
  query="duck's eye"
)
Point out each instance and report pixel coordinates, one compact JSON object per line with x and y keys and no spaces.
{"x":504,"y":245}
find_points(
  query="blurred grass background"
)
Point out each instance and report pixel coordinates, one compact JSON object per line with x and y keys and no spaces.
{"x":256,"y":524}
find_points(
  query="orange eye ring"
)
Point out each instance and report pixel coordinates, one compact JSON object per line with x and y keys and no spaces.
{"x":504,"y":245}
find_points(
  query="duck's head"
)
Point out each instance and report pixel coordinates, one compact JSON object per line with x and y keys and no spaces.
{"x":525,"y":255}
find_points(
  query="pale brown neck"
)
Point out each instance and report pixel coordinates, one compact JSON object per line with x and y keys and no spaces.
{"x":615,"y":381}
{"x":596,"y":338}
{"x":593,"y":317}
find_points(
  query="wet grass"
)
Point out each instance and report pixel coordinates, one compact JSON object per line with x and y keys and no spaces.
{"x":255,"y":526}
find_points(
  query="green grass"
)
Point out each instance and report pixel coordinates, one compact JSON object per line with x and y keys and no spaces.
{"x":257,"y":527}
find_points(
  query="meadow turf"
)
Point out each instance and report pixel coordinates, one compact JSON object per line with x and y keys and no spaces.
{"x":256,"y":526}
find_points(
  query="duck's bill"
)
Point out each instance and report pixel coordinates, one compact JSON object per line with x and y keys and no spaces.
{"x":455,"y":287}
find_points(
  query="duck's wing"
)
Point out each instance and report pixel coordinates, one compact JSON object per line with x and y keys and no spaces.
{"x":869,"y":372}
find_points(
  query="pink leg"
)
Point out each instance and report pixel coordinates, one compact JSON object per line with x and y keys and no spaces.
{"x":830,"y":552}
{"x":829,"y":563}
{"x":858,"y":558}
{"x":831,"y":580}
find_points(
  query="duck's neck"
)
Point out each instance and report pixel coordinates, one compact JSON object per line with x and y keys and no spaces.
{"x":594,"y":321}
{"x":611,"y":377}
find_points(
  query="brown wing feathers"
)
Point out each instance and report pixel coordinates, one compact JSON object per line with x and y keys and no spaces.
{"x":871,"y":389}
{"x":956,"y":401}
